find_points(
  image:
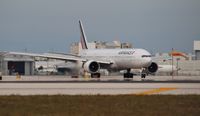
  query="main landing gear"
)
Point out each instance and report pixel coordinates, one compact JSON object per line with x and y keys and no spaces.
{"x":95,"y":75}
{"x":128,"y":74}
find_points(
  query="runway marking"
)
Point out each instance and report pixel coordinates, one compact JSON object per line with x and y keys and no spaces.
{"x":158,"y":90}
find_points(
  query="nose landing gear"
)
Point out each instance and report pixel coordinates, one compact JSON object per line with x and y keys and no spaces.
{"x":128,"y":74}
{"x":143,"y":73}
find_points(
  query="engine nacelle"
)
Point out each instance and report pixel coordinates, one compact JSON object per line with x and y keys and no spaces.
{"x":91,"y":66}
{"x":152,"y":68}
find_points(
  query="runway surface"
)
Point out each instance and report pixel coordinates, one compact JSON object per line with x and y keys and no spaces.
{"x":54,"y":85}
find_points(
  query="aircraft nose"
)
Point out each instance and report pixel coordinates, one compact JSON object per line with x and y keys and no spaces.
{"x":147,"y":60}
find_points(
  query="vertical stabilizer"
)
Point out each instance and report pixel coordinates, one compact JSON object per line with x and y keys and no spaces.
{"x":83,"y":38}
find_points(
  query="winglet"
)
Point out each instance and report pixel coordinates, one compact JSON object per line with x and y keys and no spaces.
{"x":83,"y":38}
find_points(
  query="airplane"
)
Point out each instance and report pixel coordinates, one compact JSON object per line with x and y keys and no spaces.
{"x":92,"y":60}
{"x":164,"y":68}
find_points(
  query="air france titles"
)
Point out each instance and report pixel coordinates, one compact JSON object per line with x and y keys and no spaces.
{"x":126,"y":52}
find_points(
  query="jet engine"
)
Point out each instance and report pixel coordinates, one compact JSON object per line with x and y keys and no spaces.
{"x":152,"y":68}
{"x":91,"y":66}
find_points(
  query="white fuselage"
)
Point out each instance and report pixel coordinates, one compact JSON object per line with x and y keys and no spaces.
{"x":120,"y":58}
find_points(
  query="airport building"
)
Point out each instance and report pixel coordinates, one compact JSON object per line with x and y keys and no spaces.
{"x":197,"y":50}
{"x":13,"y":64}
{"x":184,"y":65}
{"x":75,"y":48}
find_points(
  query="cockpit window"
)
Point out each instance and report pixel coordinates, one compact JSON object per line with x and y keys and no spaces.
{"x":146,"y":56}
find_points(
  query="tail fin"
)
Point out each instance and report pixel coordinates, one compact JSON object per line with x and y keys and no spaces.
{"x":83,"y":38}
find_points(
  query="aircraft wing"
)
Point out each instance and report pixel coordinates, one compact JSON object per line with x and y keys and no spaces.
{"x":65,"y":57}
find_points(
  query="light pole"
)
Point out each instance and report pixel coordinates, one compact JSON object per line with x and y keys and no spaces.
{"x":172,"y":63}
{"x":177,"y":60}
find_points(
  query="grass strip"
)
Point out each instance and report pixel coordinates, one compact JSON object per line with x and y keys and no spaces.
{"x":100,"y":105}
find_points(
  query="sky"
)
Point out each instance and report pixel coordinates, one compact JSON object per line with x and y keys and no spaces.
{"x":52,"y":25}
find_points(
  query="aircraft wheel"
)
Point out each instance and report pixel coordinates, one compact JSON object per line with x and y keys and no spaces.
{"x":95,"y":75}
{"x":128,"y":75}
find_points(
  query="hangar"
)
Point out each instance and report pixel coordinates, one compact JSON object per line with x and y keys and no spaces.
{"x":13,"y":64}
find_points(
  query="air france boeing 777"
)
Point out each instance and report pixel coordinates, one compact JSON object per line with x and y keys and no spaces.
{"x":92,"y":60}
